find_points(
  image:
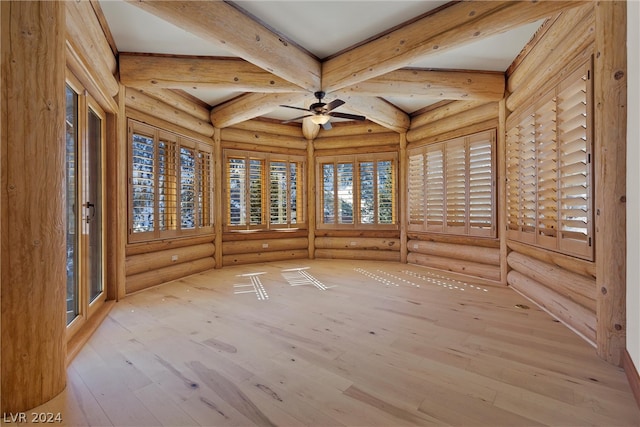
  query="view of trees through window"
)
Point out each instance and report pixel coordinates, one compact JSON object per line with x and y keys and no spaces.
{"x":262,"y":190}
{"x":357,"y":192}
{"x":170,"y":184}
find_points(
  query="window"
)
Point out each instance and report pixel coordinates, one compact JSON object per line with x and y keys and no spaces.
{"x":358,"y":191}
{"x":263,"y":190}
{"x":451,"y":186}
{"x":170,"y":184}
{"x":549,"y":169}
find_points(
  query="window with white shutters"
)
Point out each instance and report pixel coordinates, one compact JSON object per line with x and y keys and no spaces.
{"x":170,"y":188}
{"x":263,"y":190}
{"x":358,"y":191}
{"x":452,"y":186}
{"x":549,"y":189}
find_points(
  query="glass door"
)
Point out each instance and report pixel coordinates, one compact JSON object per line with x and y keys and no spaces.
{"x":85,"y":124}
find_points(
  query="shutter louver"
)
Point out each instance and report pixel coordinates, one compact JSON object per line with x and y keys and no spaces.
{"x":513,"y":180}
{"x":278,"y":192}
{"x":205,"y":214}
{"x":435,"y":199}
{"x":386,"y":193}
{"x":236,"y":174}
{"x":294,"y":175}
{"x":455,"y":185}
{"x":345,"y":193}
{"x":547,"y":204}
{"x":416,"y":187}
{"x":187,"y":188}
{"x":528,"y":185}
{"x":367,"y":192}
{"x":574,"y":176}
{"x":256,"y":179}
{"x":143,"y":183}
{"x":481,"y":184}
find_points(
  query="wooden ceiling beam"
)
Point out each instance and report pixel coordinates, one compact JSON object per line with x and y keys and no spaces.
{"x":170,"y":72}
{"x":227,"y":27}
{"x":453,"y":85}
{"x":250,"y":106}
{"x":376,"y":110}
{"x":454,"y":26}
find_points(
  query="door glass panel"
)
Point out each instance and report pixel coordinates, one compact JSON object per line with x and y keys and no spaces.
{"x":94,"y":204}
{"x":71,"y":206}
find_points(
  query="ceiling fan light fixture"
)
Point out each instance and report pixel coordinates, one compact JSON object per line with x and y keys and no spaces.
{"x":320,"y":119}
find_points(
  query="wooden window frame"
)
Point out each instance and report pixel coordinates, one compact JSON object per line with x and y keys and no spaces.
{"x":356,"y":160}
{"x":267,"y":160}
{"x":536,"y":139}
{"x":428,"y":206}
{"x":202,"y":185}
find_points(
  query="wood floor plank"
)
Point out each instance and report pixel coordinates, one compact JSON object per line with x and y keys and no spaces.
{"x":375,"y":343}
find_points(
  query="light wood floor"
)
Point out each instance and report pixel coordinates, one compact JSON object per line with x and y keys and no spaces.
{"x":354,"y":343}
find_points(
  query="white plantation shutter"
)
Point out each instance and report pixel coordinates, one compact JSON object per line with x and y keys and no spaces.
{"x":455,"y":185}
{"x":345,"y":193}
{"x":416,"y":187}
{"x":205,"y":189}
{"x":385,"y":190}
{"x":451,"y":184}
{"x":546,"y":161}
{"x":549,"y":170}
{"x":278,"y":192}
{"x":481,"y":184}
{"x":434,"y":185}
{"x":256,"y":194}
{"x":236,"y":189}
{"x":368,"y":191}
{"x":188,"y":184}
{"x":575,"y":157}
{"x":143,"y":183}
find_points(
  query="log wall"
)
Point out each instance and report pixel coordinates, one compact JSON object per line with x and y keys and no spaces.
{"x":563,"y":285}
{"x":476,"y":258}
{"x":247,"y":248}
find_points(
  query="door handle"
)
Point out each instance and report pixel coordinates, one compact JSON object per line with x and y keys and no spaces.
{"x":92,"y":211}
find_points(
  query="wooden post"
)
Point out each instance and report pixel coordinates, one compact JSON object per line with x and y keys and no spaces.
{"x":218,"y":212}
{"x":403,"y":197}
{"x":501,"y":176}
{"x":33,"y":252}
{"x":610,"y":126}
{"x":311,"y":198}
{"x":117,"y":198}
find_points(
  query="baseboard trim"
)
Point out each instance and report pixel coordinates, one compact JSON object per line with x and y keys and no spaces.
{"x":632,"y":375}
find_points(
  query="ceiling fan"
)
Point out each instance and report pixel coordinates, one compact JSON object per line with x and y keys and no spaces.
{"x":321,"y":112}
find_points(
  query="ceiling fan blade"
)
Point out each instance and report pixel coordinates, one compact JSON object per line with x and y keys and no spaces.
{"x":295,"y":108}
{"x":326,"y":126}
{"x":334,"y":104}
{"x":347,"y":116}
{"x":296,"y":118}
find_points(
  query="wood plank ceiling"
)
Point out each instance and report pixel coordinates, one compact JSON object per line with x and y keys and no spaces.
{"x":231,"y":57}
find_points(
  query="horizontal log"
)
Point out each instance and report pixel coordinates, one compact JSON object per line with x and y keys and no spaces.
{"x":85,"y":34}
{"x":575,"y":265}
{"x":136,"y":264}
{"x":469,"y":117}
{"x":357,"y":141}
{"x":352,"y":128}
{"x":231,"y":134}
{"x":270,"y":126}
{"x":86,"y":75}
{"x":262,"y":148}
{"x":252,"y":258}
{"x":456,"y":133}
{"x":182,"y":103}
{"x":358,"y":254}
{"x":479,"y":254}
{"x":346,"y":151}
{"x":251,"y":105}
{"x":577,"y":317}
{"x":531,"y":64}
{"x":364,"y":243}
{"x":229,"y":74}
{"x":232,"y":236}
{"x":162,"y":245}
{"x":579,"y":289}
{"x":166,"y":125}
{"x":138,"y":282}
{"x":140,"y":101}
{"x":376,"y":110}
{"x":266,"y":245}
{"x":434,"y":84}
{"x":379,"y":234}
{"x":454,"y":239}
{"x":468,"y":268}
{"x":449,"y":109}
